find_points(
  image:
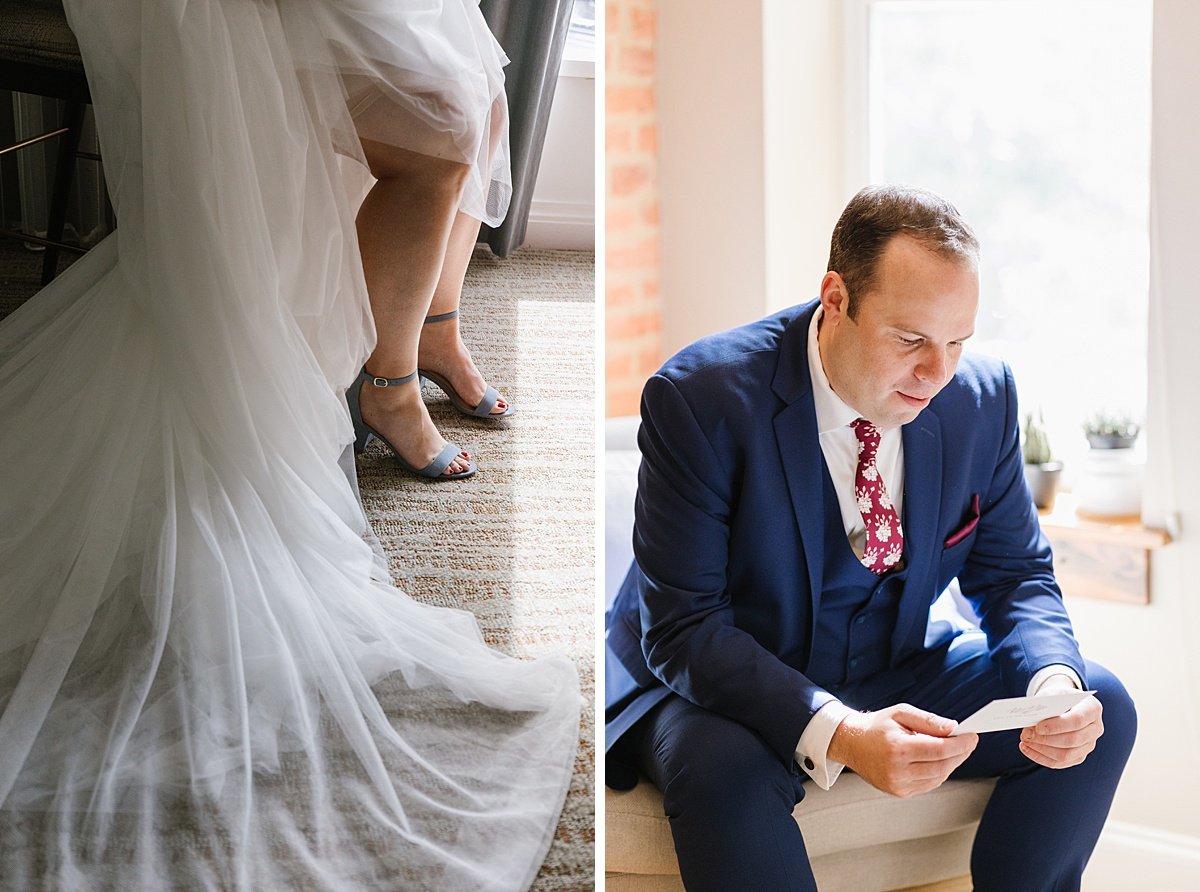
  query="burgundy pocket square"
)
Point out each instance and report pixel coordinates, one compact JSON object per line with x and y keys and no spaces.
{"x":966,"y":529}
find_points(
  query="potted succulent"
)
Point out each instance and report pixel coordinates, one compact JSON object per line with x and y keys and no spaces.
{"x":1111,"y":482}
{"x":1111,"y":430}
{"x":1042,"y":472}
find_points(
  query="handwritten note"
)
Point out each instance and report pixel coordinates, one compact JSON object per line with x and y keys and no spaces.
{"x":1019,"y":712}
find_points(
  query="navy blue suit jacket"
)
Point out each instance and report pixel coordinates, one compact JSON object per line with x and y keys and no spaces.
{"x":719,"y":604}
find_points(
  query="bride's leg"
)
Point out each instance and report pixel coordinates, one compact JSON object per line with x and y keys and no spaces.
{"x":441,"y":347}
{"x":404,"y":227}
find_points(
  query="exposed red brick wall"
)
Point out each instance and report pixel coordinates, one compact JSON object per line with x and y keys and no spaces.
{"x":632,"y":307}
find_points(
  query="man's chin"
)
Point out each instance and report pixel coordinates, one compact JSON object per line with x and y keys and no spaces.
{"x":903,"y":408}
{"x":896,"y":417}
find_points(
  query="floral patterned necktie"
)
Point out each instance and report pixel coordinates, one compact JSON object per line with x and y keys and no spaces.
{"x":885,"y":539}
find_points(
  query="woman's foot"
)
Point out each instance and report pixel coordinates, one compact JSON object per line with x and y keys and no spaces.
{"x":441,"y":350}
{"x":399,"y":414}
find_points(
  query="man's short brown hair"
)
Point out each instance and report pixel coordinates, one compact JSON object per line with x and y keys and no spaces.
{"x":875,"y":215}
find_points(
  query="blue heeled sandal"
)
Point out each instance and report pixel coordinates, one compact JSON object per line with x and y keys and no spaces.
{"x":490,"y":397}
{"x":364,"y":433}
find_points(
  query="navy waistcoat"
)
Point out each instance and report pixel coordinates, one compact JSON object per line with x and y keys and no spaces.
{"x":858,"y":609}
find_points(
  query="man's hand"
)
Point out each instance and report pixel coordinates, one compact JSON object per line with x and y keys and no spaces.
{"x":901,"y":750}
{"x":1066,"y":739}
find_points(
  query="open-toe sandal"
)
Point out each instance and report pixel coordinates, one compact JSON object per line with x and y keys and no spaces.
{"x":364,"y":433}
{"x":490,"y":397}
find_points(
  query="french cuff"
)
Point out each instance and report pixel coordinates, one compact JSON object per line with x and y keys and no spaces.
{"x":1044,"y":674}
{"x":812,"y":752}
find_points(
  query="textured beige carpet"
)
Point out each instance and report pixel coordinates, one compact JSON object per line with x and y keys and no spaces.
{"x":514,"y":544}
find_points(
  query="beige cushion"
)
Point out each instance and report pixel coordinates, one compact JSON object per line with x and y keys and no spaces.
{"x":857,"y":837}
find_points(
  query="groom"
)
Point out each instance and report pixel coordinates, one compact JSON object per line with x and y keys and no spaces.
{"x":809,"y":484}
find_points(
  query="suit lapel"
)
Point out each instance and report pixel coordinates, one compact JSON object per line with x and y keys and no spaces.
{"x":800,"y":448}
{"x":800,"y":451}
{"x":922,"y":507}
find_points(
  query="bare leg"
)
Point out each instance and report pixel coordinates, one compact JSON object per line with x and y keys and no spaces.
{"x":441,"y":348}
{"x":403,"y":227}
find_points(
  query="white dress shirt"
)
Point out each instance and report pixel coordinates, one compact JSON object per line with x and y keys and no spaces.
{"x":839,"y":445}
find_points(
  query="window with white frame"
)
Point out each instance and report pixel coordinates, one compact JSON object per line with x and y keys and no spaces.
{"x":1033,"y":118}
{"x":580,"y":50}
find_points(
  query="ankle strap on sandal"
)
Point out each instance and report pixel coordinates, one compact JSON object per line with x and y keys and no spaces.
{"x":441,"y":317}
{"x":387,"y":382}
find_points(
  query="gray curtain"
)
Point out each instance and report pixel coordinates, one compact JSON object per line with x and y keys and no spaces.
{"x":533,"y":34}
{"x":26,"y":176}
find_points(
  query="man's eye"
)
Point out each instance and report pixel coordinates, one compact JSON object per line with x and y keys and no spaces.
{"x":910,"y":342}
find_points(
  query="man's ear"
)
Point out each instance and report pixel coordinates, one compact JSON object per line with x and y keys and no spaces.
{"x":835,"y":299}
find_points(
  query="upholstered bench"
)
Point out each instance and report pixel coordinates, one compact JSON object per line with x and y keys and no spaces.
{"x":858,"y":839}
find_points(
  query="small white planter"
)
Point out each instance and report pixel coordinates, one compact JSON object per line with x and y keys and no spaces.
{"x":1111,"y":481}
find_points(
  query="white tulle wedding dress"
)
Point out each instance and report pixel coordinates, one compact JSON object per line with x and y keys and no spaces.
{"x":207,"y":680}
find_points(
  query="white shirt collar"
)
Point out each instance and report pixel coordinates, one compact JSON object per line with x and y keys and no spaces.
{"x":832,"y":413}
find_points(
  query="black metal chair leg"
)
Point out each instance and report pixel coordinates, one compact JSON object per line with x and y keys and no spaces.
{"x":64,"y":176}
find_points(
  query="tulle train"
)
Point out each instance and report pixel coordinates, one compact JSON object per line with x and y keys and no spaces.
{"x":207,"y":679}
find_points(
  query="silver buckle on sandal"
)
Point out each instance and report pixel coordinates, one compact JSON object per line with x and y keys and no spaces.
{"x":380,"y":382}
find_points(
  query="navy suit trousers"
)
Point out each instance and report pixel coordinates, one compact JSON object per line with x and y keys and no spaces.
{"x":730,"y":798}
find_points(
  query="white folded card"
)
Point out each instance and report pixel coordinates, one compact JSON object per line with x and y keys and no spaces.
{"x":1019,"y":712}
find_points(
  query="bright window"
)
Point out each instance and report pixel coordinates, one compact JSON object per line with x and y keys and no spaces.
{"x":579,"y":56}
{"x":1034,"y":119}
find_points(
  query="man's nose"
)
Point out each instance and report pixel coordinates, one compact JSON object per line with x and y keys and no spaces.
{"x":933,"y":364}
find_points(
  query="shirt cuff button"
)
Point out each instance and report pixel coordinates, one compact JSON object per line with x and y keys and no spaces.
{"x":809,"y":763}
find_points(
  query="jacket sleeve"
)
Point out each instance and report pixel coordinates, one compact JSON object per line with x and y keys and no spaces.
{"x":1009,"y":574}
{"x":686,"y":488}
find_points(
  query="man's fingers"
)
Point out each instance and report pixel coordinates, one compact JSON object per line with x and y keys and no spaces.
{"x":903,"y":750}
{"x":1078,"y":716}
{"x":923,"y":748}
{"x":926,"y":776}
{"x":1064,"y":724}
{"x":923,"y":722}
{"x":1067,"y":741}
{"x":927,"y":739}
{"x":1052,"y":757}
{"x":938,"y":768}
{"x":943,"y":768}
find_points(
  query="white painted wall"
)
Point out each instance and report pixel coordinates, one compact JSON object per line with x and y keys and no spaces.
{"x":749,"y":158}
{"x":803,"y":87}
{"x":710,"y":173}
{"x":563,"y":211}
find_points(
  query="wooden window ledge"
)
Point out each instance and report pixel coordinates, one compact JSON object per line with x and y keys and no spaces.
{"x":1106,"y":558}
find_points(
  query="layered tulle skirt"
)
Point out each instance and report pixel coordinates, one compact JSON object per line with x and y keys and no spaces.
{"x":207,"y":680}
